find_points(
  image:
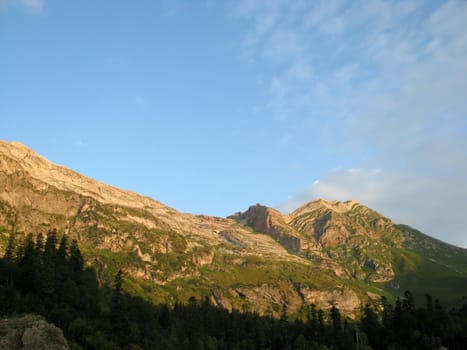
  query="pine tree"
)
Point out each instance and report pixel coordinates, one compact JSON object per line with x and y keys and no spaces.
{"x":371,"y":326}
{"x":118,"y":288}
{"x":429,"y":303}
{"x":10,"y":249}
{"x":408,"y":303}
{"x":76,"y":260}
{"x":40,"y":243}
{"x":313,"y":321}
{"x":321,"y":326}
{"x":49,"y":266}
{"x":397,"y":316}
{"x":8,"y":270}
{"x":28,"y":266}
{"x":284,"y":311}
{"x":50,"y":248}
{"x":62,"y":253}
{"x":335,"y":320}
{"x":118,"y":315}
{"x":387,"y":312}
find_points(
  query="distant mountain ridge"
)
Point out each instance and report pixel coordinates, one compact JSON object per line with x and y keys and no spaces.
{"x":325,"y":252}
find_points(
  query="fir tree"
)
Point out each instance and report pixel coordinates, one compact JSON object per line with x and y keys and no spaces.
{"x":10,"y":250}
{"x":76,"y":259}
{"x":119,"y":322}
{"x":40,"y":243}
{"x":29,"y":263}
{"x":371,"y":327}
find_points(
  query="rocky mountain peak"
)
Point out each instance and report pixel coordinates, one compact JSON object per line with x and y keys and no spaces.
{"x":339,"y":220}
{"x":342,"y":207}
{"x":322,"y":205}
{"x":15,"y":147}
{"x":258,"y":216}
{"x":15,"y":157}
{"x":270,"y":221}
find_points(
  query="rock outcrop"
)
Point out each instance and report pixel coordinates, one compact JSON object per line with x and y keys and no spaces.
{"x":270,"y":221}
{"x":30,"y":332}
{"x":343,"y":298}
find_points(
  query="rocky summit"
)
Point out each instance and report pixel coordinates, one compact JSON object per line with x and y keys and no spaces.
{"x":325,"y":252}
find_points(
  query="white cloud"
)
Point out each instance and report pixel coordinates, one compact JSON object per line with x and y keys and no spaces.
{"x":140,"y":101}
{"x":385,"y":83}
{"x":282,"y":45}
{"x":325,"y":15}
{"x":35,"y":6}
{"x":81,"y":144}
{"x":32,"y":6}
{"x":428,"y":204}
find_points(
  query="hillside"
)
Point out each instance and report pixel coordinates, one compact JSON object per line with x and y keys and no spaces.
{"x":322,"y":253}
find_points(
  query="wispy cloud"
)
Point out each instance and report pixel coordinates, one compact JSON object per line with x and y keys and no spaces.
{"x":425,"y":202}
{"x":384,"y":81}
{"x":34,"y":6}
{"x":139,"y":101}
{"x":81,"y":144}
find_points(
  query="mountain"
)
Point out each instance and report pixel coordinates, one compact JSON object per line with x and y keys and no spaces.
{"x":325,"y":252}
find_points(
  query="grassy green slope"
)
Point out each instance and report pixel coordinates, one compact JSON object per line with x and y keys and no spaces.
{"x":420,"y":263}
{"x":427,"y":265}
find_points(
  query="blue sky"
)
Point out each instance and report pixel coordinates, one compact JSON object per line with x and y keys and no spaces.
{"x":211,"y":106}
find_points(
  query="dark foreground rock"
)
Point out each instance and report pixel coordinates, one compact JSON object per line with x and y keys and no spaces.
{"x":30,"y":332}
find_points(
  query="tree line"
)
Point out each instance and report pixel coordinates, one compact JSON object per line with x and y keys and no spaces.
{"x":47,"y":275}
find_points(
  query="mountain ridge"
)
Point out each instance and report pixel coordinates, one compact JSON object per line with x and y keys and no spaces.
{"x":323,"y":252}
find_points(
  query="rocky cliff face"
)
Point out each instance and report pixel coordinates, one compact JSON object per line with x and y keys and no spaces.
{"x":322,"y":253}
{"x":346,"y":235}
{"x":352,"y":234}
{"x":271,"y":222}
